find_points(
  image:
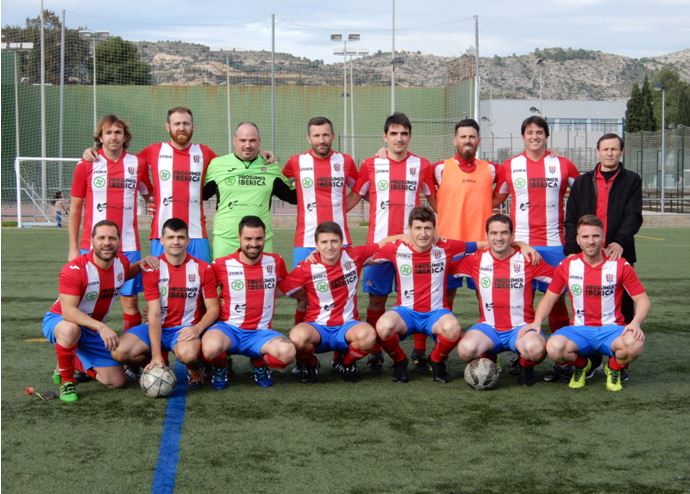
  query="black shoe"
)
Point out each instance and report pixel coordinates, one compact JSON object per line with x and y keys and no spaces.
{"x":309,"y":374}
{"x":525,"y":375}
{"x":133,"y":374}
{"x":625,"y":376}
{"x":349,"y":372}
{"x":420,"y":362}
{"x":375,"y":363}
{"x":81,"y":377}
{"x":559,"y":374}
{"x":597,"y":365}
{"x":400,"y":371}
{"x":439,"y":371}
{"x":514,"y":369}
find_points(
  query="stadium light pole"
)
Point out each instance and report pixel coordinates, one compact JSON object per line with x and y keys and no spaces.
{"x":337,"y":38}
{"x":659,"y":86}
{"x":359,"y":53}
{"x":94,"y":37}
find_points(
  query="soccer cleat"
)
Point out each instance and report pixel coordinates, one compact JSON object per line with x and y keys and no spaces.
{"x":625,"y":375}
{"x":195,"y":378}
{"x":68,"y":392}
{"x":337,"y":366}
{"x":220,"y":378}
{"x":309,"y":375}
{"x":81,"y":377}
{"x":514,"y":369}
{"x":439,"y":371}
{"x":57,"y":379}
{"x":262,"y":376}
{"x":579,"y":377}
{"x":133,"y":374}
{"x":349,"y":372}
{"x":613,"y":379}
{"x":597,"y":366}
{"x":525,"y":375}
{"x":296,"y":371}
{"x":400,"y":371}
{"x":559,"y":374}
{"x":375,"y":363}
{"x":420,"y":362}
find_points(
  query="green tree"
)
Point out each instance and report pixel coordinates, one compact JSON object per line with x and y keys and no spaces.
{"x":118,"y":62}
{"x":633,"y":112}
{"x":683,"y":113}
{"x":647,"y":120}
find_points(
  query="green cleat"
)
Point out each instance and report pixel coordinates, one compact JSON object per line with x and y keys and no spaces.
{"x":56,"y":377}
{"x":68,"y":392}
{"x":613,"y":379}
{"x":579,"y":377}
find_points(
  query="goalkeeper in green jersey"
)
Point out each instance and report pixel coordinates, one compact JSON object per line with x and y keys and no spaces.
{"x":244,"y":184}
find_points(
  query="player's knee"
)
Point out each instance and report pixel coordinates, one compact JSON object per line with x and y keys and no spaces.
{"x":367,"y":339}
{"x":211,"y":348}
{"x":187,"y":354}
{"x":67,"y":333}
{"x":299,"y":337}
{"x":450,"y":329}
{"x":556,"y":347}
{"x":534,"y":348}
{"x":467,"y":349}
{"x":112,"y":378}
{"x":284,"y":350}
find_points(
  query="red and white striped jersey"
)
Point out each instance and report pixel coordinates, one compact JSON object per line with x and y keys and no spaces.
{"x":180,"y":289}
{"x":178,"y":178}
{"x":109,"y":189}
{"x":247,"y":292}
{"x":504,"y":286}
{"x":331,"y":290}
{"x":596,"y":292}
{"x":96,"y":287}
{"x":421,"y":276}
{"x":393,"y":188}
{"x":536,"y":191}
{"x":321,"y":189}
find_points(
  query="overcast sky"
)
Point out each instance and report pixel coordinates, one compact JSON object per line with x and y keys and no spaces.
{"x":633,"y":28}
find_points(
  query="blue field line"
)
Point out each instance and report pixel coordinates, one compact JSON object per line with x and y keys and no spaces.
{"x":169,"y":452}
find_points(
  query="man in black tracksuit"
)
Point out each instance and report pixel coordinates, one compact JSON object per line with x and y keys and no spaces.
{"x":614,"y":194}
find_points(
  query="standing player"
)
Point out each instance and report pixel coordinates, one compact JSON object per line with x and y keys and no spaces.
{"x":503,"y":276}
{"x":87,"y":286}
{"x":536,"y":182}
{"x":176,"y":295}
{"x":393,"y":185}
{"x":106,"y":188}
{"x":331,"y":321}
{"x":244,"y":183}
{"x":248,"y":280}
{"x":595,"y":284}
{"x":321,"y":176}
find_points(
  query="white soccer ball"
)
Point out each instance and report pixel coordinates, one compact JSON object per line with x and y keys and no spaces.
{"x":158,"y":382}
{"x":482,"y":374}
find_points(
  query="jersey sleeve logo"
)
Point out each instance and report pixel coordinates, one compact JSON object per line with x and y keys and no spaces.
{"x":576,"y":289}
{"x":485,"y":282}
{"x":520,"y":183}
{"x":382,"y":184}
{"x":99,"y":182}
{"x":307,"y":182}
{"x":91,"y":296}
{"x":165,"y":175}
{"x":237,"y":285}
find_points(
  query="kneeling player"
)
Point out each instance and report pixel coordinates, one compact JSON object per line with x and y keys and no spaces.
{"x":247,"y":280}
{"x":503,"y":276}
{"x":595,"y":285}
{"x":74,"y":324}
{"x":331,"y":321}
{"x":174,"y":294}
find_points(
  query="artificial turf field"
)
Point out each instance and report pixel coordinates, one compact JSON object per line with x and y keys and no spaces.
{"x":373,"y":436}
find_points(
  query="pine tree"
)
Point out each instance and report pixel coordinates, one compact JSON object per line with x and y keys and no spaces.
{"x":683,"y":112}
{"x":647,"y":120}
{"x":634,"y":110}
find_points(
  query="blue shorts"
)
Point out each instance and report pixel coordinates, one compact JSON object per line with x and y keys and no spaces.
{"x":455,"y":283}
{"x":378,"y":279}
{"x":552,"y":256}
{"x":502,"y":340}
{"x":592,"y":339}
{"x":168,"y":335}
{"x":333,"y":337}
{"x":134,"y":285}
{"x":91,"y":350}
{"x":420,"y":322}
{"x":248,"y":342}
{"x":197,"y":247}
{"x":299,"y":254}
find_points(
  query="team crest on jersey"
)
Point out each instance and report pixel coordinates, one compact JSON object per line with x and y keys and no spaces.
{"x":119,"y":277}
{"x":413,"y":171}
{"x":609,"y":277}
{"x":269,"y":269}
{"x":552,"y":169}
{"x":197,"y":158}
{"x":517,"y":268}
{"x":131,"y":170}
{"x":437,"y":254}
{"x":349,"y":265}
{"x":263,"y":168}
{"x":336,"y":167}
{"x":191,"y":278}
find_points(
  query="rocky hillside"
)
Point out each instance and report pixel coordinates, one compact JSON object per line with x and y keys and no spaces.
{"x":566,"y":73}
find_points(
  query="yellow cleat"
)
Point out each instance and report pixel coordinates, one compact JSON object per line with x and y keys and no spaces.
{"x":613,"y":379}
{"x":579,"y":377}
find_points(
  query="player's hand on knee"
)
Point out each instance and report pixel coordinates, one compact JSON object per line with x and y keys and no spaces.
{"x":188,"y":334}
{"x":635,"y":330}
{"x":108,"y":336}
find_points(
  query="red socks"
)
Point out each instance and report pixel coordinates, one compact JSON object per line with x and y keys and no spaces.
{"x":580,"y":362}
{"x":352,"y":356}
{"x":273,"y":362}
{"x":527,"y":363}
{"x":130,"y":320}
{"x":220,"y":361}
{"x":392,"y":347}
{"x":65,"y":361}
{"x":307,"y":357}
{"x":614,"y":364}
{"x":372,"y":318}
{"x":419,"y":342}
{"x":443,"y":347}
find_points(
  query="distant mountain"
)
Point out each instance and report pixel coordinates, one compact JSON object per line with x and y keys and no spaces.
{"x":566,"y":73}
